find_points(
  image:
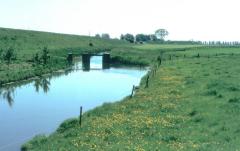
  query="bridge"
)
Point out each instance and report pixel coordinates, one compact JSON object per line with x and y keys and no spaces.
{"x":86,"y":57}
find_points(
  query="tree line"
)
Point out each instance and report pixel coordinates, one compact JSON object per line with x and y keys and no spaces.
{"x":159,"y":35}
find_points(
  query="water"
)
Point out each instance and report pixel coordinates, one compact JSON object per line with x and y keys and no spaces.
{"x":40,"y":106}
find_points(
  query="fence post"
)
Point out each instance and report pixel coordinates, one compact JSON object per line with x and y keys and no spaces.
{"x":159,"y":60}
{"x":146,"y":86}
{"x":132,"y":91}
{"x":80,"y":117}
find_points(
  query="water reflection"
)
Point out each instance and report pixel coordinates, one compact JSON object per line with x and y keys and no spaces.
{"x":42,"y":83}
{"x":7,"y":93}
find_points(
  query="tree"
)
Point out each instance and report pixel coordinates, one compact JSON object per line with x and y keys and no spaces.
{"x":142,"y":38}
{"x":36,"y":59}
{"x":128,"y":37}
{"x":45,"y":55}
{"x":122,"y":37}
{"x":97,"y":36}
{"x":8,"y":55}
{"x":105,"y":36}
{"x":153,"y":37}
{"x":161,"y":33}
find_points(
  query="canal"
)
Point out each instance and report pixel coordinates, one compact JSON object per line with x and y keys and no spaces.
{"x":39,"y":106}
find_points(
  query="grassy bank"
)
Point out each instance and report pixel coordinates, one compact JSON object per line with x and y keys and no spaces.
{"x":192,"y":103}
{"x":148,"y":53}
{"x":26,"y":44}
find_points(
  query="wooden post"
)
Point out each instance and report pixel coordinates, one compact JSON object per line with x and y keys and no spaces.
{"x":80,"y":117}
{"x":132,"y":91}
{"x":155,"y":70}
{"x":159,"y":60}
{"x":146,"y":86}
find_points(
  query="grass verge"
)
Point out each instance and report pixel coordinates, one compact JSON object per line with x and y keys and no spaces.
{"x":191,"y":104}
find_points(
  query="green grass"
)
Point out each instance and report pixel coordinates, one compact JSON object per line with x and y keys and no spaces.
{"x":145,"y":54}
{"x":205,"y":52}
{"x":27,"y":43}
{"x":148,"y":53}
{"x":192,"y":103}
{"x":165,"y":46}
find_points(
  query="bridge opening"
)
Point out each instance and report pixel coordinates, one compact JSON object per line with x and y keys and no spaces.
{"x":95,"y":61}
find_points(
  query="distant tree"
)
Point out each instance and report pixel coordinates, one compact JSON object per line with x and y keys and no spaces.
{"x":128,"y":37}
{"x":153,"y":37}
{"x":139,"y":38}
{"x":142,"y":38}
{"x":161,"y":33}
{"x":97,"y":36}
{"x":105,"y":36}
{"x":8,"y":55}
{"x":45,"y":55}
{"x":122,"y":37}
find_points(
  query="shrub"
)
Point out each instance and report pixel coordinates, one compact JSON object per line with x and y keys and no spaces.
{"x":233,"y":100}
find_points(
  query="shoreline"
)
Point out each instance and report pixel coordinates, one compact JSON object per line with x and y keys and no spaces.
{"x":34,"y":77}
{"x":113,"y":64}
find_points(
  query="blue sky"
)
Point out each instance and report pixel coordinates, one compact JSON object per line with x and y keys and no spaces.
{"x":184,"y":19}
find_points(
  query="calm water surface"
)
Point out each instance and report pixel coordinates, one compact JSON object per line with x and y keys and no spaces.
{"x":39,"y":106}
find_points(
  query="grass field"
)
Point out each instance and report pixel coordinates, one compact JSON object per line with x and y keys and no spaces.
{"x":192,"y":103}
{"x":148,"y":53}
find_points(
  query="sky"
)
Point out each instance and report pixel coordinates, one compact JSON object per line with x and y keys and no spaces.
{"x":184,"y":19}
